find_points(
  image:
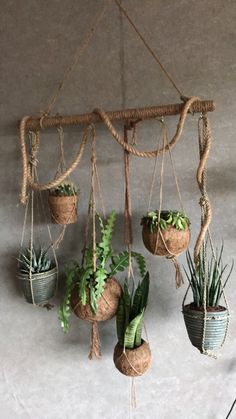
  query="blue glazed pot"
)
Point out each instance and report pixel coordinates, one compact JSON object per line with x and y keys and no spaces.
{"x":43,"y":286}
{"x":216,"y":327}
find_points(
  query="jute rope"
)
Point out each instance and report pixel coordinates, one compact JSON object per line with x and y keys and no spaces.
{"x":131,"y":149}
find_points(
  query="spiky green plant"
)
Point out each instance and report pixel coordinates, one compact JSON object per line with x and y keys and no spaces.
{"x":176,"y":219}
{"x":130,"y":314}
{"x":85,"y":280}
{"x":65,"y":189}
{"x":35,"y":261}
{"x":208,"y":273}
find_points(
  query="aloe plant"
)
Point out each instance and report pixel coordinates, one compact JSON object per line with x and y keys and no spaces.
{"x":65,"y":189}
{"x":210,"y":273}
{"x":34,"y":260}
{"x":85,"y":280}
{"x":130,"y":314}
{"x":177,"y":219}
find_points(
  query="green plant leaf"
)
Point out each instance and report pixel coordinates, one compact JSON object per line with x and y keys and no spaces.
{"x":119,"y":263}
{"x":130,"y":332}
{"x":65,"y":310}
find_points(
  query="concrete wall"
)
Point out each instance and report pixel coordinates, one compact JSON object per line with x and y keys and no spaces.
{"x":45,"y":374}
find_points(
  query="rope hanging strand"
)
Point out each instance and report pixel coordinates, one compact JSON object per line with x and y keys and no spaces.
{"x":95,"y":347}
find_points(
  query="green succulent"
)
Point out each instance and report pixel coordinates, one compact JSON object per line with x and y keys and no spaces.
{"x":210,"y":273}
{"x":86,"y":280}
{"x":35,"y":261}
{"x":176,"y":219}
{"x":65,"y":189}
{"x":130,"y":314}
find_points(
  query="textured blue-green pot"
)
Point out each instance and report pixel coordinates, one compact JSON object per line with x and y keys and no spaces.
{"x":43,"y":286}
{"x":216,"y":325}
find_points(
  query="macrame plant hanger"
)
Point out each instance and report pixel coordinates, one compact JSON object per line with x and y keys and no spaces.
{"x":30,"y":204}
{"x":95,"y":347}
{"x":164,"y":140}
{"x":204,"y":236}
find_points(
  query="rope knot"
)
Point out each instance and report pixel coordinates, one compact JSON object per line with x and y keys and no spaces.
{"x":203,"y":201}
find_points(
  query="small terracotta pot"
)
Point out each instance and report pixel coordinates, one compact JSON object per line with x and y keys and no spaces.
{"x":107,"y":304}
{"x":63,"y":209}
{"x":171,"y":242}
{"x":134,"y":362}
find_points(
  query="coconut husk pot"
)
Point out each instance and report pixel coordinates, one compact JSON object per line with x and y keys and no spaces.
{"x":171,"y":242}
{"x":132,"y":362}
{"x":63,"y":209}
{"x":215,"y":328}
{"x":43,"y":286}
{"x":107,"y":304}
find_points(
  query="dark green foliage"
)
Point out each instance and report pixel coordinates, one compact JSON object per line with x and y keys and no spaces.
{"x":35,"y":261}
{"x":210,"y":274}
{"x":129,"y":319}
{"x":176,"y":219}
{"x":65,"y":189}
{"x":84,"y":276}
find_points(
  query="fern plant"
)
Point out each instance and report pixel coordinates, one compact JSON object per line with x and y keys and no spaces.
{"x":208,"y":273}
{"x":177,"y":219}
{"x":89,"y":283}
{"x":34,"y":261}
{"x":65,"y":189}
{"x":130,"y":314}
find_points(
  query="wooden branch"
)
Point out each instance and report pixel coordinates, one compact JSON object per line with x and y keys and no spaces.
{"x":121,"y":115}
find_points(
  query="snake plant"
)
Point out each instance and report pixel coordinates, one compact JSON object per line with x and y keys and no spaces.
{"x":65,"y":189}
{"x":34,"y":260}
{"x":130,"y":314}
{"x":89,"y":282}
{"x":177,"y":219}
{"x":208,"y":278}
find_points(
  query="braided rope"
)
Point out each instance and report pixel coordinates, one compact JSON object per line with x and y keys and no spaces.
{"x":204,"y":200}
{"x":154,"y":153}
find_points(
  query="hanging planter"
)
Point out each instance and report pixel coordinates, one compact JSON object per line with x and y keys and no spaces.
{"x":168,"y":235}
{"x":205,"y":319}
{"x":132,"y":355}
{"x":92,"y":292}
{"x":63,"y":202}
{"x":37,"y":276}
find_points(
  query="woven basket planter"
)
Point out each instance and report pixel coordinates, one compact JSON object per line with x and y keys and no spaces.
{"x":107,"y":303}
{"x":43,"y":286}
{"x":63,"y":209}
{"x":216,"y":327}
{"x":132,"y":362}
{"x":172,"y":243}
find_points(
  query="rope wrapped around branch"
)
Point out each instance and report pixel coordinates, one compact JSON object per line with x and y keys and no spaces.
{"x":205,"y":146}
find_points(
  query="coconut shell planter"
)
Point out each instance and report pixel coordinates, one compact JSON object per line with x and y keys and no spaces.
{"x":167,"y":236}
{"x":63,"y":202}
{"x":132,"y":355}
{"x":40,"y":286}
{"x":207,"y":323}
{"x":93,"y":294}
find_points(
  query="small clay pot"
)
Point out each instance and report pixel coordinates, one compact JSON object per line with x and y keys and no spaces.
{"x":133,"y":362}
{"x":107,"y":304}
{"x":171,"y":242}
{"x":63,"y":209}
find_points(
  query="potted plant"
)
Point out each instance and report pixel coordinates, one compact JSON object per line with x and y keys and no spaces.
{"x":63,"y":203}
{"x":132,"y":355}
{"x":94,"y":295}
{"x":205,"y":319}
{"x":37,"y":274}
{"x":167,"y":234}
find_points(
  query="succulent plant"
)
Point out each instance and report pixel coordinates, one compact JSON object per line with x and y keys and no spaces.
{"x":35,"y":261}
{"x":65,"y":189}
{"x":208,"y":273}
{"x":130,"y":314}
{"x":176,"y":219}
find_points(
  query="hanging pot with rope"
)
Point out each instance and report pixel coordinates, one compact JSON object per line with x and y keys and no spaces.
{"x":167,"y":235}
{"x":132,"y":354}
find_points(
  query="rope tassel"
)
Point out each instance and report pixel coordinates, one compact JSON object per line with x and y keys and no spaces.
{"x":95,"y":348}
{"x":178,"y":274}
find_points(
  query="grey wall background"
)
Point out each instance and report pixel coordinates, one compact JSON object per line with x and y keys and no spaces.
{"x":45,"y":374}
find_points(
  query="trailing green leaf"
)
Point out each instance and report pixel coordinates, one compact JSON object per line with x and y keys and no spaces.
{"x":65,"y":310}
